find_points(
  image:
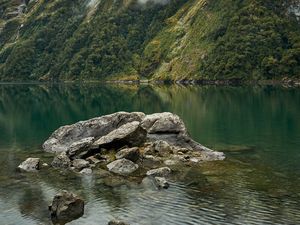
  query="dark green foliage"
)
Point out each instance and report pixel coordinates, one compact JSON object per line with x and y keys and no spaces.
{"x":260,"y":41}
{"x":70,"y":40}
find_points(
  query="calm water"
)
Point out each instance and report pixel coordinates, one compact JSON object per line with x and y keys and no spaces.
{"x":258,"y":183}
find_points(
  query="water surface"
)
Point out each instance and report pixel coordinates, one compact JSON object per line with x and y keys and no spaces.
{"x":257,"y":127}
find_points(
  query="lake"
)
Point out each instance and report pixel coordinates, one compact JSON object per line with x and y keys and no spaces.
{"x":258,"y":128}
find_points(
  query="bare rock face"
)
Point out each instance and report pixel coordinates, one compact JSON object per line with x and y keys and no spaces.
{"x":131,"y":134}
{"x":132,"y":154}
{"x":122,"y":167}
{"x":66,"y":207}
{"x":30,"y":165}
{"x":64,"y":137}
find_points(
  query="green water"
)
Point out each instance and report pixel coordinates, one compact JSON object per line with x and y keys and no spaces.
{"x":257,"y":127}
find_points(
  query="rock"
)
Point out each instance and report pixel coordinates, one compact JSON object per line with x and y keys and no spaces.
{"x":130,"y":134}
{"x":93,"y":160}
{"x":160,"y":148}
{"x":30,"y":165}
{"x":86,"y":171}
{"x":122,"y":167}
{"x":117,"y":222}
{"x":64,"y":137}
{"x":66,"y":207}
{"x":163,"y":123}
{"x":131,"y":154}
{"x":161,"y":182}
{"x":165,"y":134}
{"x":79,"y":147}
{"x":160,"y":172}
{"x":170,"y":162}
{"x":61,"y":161}
{"x":80,"y":164}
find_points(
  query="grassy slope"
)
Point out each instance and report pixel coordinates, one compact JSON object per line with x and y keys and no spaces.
{"x":186,"y":39}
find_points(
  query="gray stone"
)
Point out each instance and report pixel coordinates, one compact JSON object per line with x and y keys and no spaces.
{"x":30,"y":165}
{"x":122,"y":167}
{"x":160,"y":148}
{"x":86,"y":171}
{"x":161,"y":182}
{"x":131,"y":154}
{"x":170,"y":162}
{"x":61,"y":160}
{"x":93,"y":160}
{"x":165,"y":132}
{"x":160,"y":172}
{"x":130,"y":134}
{"x":163,"y":123}
{"x":66,"y":207}
{"x":65,"y":136}
{"x":80,"y":164}
{"x":79,"y":147}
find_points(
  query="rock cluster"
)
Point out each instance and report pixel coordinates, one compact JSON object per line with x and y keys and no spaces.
{"x":124,"y":142}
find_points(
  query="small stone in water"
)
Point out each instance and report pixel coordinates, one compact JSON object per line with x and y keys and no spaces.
{"x":30,"y":165}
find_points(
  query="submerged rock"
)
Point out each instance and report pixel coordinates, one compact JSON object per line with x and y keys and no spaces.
{"x":160,"y":172}
{"x":66,"y":207}
{"x":86,"y":171}
{"x":161,"y":182}
{"x":122,"y":167}
{"x":30,"y":165}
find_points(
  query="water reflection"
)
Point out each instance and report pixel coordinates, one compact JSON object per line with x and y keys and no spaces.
{"x":259,"y":128}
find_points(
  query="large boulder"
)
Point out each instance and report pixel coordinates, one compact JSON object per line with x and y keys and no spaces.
{"x":170,"y":128}
{"x":122,"y":167}
{"x":66,"y":207}
{"x":130,"y":134}
{"x":64,"y":137}
{"x":132,"y":154}
{"x":165,"y":132}
{"x":30,"y":165}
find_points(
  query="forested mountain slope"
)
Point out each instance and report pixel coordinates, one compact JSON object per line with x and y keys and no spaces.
{"x":152,"y":39}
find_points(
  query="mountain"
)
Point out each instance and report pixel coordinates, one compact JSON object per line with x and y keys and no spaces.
{"x":149,"y":39}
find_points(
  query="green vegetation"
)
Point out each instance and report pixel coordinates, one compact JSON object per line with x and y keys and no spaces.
{"x":185,"y":39}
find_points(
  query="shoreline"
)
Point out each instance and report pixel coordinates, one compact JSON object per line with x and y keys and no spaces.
{"x":285,"y":82}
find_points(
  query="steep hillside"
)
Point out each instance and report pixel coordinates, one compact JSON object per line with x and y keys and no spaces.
{"x":137,"y":39}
